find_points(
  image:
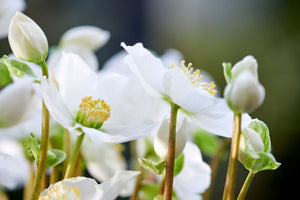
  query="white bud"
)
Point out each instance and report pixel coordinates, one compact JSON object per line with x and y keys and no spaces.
{"x":90,"y":37}
{"x":27,"y":40}
{"x":162,"y":137}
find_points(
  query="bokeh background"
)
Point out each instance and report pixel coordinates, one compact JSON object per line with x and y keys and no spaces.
{"x":207,"y":33}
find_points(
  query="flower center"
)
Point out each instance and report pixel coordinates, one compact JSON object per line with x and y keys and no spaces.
{"x":61,"y":192}
{"x":92,"y":113}
{"x":195,"y":78}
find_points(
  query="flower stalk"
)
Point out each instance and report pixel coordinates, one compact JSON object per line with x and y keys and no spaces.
{"x":73,"y":157}
{"x":171,"y":153}
{"x":41,"y":166}
{"x":229,"y":188}
{"x":246,"y":185}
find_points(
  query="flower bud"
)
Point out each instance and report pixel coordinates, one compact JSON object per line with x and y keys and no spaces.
{"x":162,"y":138}
{"x":27,"y":40}
{"x":244,"y":93}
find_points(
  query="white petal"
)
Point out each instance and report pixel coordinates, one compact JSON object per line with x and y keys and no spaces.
{"x":195,"y":172}
{"x":149,"y":69}
{"x":55,"y":104}
{"x":110,"y":189}
{"x":90,"y":37}
{"x":76,"y":80}
{"x":254,"y":139}
{"x":170,"y":57}
{"x":183,"y":93}
{"x":17,"y":103}
{"x":248,"y":63}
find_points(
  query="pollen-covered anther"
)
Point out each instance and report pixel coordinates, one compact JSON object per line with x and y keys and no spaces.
{"x":61,"y":192}
{"x":92,"y":113}
{"x":195,"y":77}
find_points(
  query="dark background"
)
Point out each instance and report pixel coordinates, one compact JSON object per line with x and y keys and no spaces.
{"x":208,"y":32}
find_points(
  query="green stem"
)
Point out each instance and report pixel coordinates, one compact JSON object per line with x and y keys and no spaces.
{"x":171,"y":153}
{"x":73,"y":157}
{"x":246,"y":185}
{"x":162,"y":185}
{"x":41,"y":166}
{"x":229,"y":188}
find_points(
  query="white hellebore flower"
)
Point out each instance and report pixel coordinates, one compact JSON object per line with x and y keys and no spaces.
{"x":244,"y":93}
{"x":14,"y":167}
{"x":17,"y":103}
{"x":8,"y":9}
{"x":105,"y":108}
{"x":81,"y":188}
{"x":181,"y":86}
{"x":27,"y":40}
{"x":195,"y":175}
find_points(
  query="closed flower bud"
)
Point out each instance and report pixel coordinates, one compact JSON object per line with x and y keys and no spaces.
{"x":244,"y":93}
{"x":161,"y":139}
{"x":27,"y":40}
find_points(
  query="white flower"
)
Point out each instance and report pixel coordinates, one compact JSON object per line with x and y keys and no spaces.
{"x":105,"y":109}
{"x":27,"y":40}
{"x":181,"y":86}
{"x":82,"y":188}
{"x":195,"y":176}
{"x":8,"y":9}
{"x":244,"y":93}
{"x":14,"y":167}
{"x":17,"y":103}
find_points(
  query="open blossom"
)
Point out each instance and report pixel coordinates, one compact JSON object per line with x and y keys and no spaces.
{"x":181,"y":86}
{"x":8,"y":9}
{"x":105,"y":108}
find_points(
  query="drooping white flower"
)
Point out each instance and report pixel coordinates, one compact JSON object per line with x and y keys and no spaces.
{"x":14,"y":167}
{"x":195,"y":176}
{"x":182,"y":86}
{"x":244,"y":93}
{"x":106,"y":109}
{"x":27,"y":40}
{"x":8,"y":9}
{"x":82,"y":188}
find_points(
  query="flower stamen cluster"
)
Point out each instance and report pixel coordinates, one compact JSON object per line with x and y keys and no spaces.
{"x":92,"y":113}
{"x":61,"y":192}
{"x":195,"y":78}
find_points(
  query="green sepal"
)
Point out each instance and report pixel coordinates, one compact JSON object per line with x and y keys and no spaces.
{"x":18,"y":68}
{"x":179,"y":163}
{"x":4,"y":75}
{"x":262,"y":129}
{"x":157,"y":167}
{"x":227,"y":71}
{"x":54,"y":157}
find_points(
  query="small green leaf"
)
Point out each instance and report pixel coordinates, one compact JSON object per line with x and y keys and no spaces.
{"x":265,"y":162}
{"x":227,"y":72}
{"x":157,"y":167}
{"x":262,"y":129}
{"x":54,"y":157}
{"x":179,"y":163}
{"x":208,"y":143}
{"x":149,"y":192}
{"x":19,"y":68}
{"x":32,"y":147}
{"x":4,"y":75}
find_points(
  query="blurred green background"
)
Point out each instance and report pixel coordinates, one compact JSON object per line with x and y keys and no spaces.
{"x":208,"y":32}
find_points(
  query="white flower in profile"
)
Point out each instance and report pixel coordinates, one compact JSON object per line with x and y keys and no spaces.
{"x":12,"y":176}
{"x":17,"y":103}
{"x":195,"y":176}
{"x":182,"y":86}
{"x":105,"y":108}
{"x":82,"y":188}
{"x":8,"y":9}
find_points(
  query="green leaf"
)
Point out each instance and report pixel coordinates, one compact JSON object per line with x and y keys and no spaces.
{"x":159,"y":197}
{"x":157,"y":167}
{"x":4,"y":75}
{"x":262,"y":129}
{"x":148,"y":192}
{"x":18,"y":68}
{"x":208,"y":143}
{"x":32,"y":147}
{"x":179,"y":163}
{"x":227,"y":72}
{"x":54,"y":157}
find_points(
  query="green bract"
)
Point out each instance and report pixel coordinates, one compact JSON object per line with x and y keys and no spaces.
{"x":255,"y":148}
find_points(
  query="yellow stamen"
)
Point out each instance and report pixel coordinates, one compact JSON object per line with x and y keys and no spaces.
{"x":61,"y":192}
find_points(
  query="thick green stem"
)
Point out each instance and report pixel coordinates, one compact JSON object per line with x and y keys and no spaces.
{"x":246,"y":185}
{"x":171,"y":153}
{"x":74,"y":156}
{"x":41,"y":166}
{"x":229,"y":188}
